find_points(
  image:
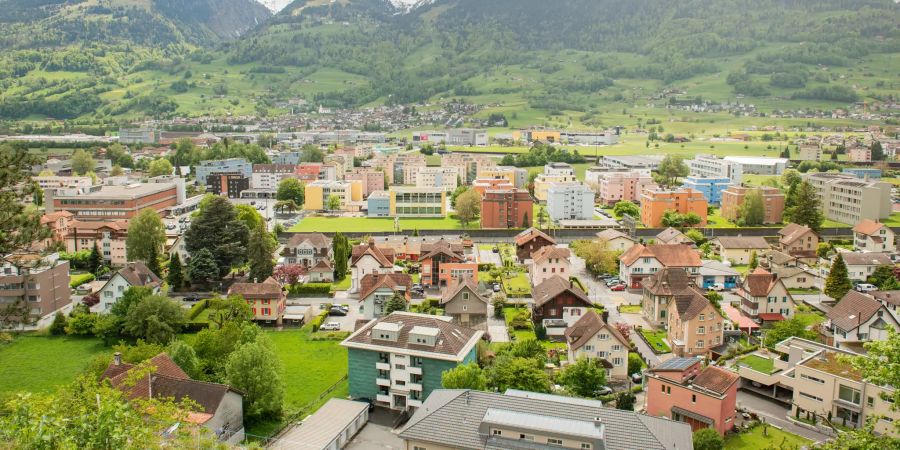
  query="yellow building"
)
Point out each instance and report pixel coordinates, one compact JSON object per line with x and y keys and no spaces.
{"x":501,"y":173}
{"x":318,"y":192}
{"x":417,"y":202}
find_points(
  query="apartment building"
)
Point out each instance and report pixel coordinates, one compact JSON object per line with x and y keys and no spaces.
{"x":109,"y":237}
{"x":570,"y":201}
{"x":399,"y":169}
{"x":341,"y":162}
{"x":733,"y":200}
{"x":39,"y":282}
{"x":711,"y":188}
{"x":267,"y":299}
{"x":807,"y":152}
{"x":482,"y":185}
{"x":860,"y":154}
{"x":397,"y":361}
{"x":512,"y":208}
{"x":117,"y":202}
{"x":445,"y":178}
{"x":372,"y":179}
{"x":467,"y":166}
{"x":227,"y":184}
{"x":268,"y":176}
{"x":417,"y":202}
{"x":477,"y":420}
{"x":453,"y":136}
{"x":647,"y":162}
{"x":614,"y":186}
{"x":516,"y":176}
{"x":693,"y":324}
{"x":318,"y":193}
{"x":554,"y":173}
{"x":444,"y":262}
{"x":759,"y":165}
{"x":591,"y":337}
{"x":683,"y":390}
{"x":233,"y":165}
{"x":847,"y":199}
{"x":56,"y":182}
{"x":710,"y":166}
{"x":655,"y":203}
{"x":378,"y":204}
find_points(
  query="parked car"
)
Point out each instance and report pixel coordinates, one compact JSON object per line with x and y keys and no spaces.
{"x":866,"y":287}
{"x":337,"y":311}
{"x":637,"y":378}
{"x":613,"y":281}
{"x":618,"y":288}
{"x":496,"y":249}
{"x":605,"y":390}
{"x":717,"y":287}
{"x":330,"y":326}
{"x":496,"y":287}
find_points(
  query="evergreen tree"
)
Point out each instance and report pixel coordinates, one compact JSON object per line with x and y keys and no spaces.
{"x":341,"y":251}
{"x":259,"y":252}
{"x":877,"y":151}
{"x":176,"y":272}
{"x":396,"y":303}
{"x":58,"y":327}
{"x":95,"y":260}
{"x":807,"y":208}
{"x":218,"y":230}
{"x":153,"y":261}
{"x":838,"y":282}
{"x":203,"y":269}
{"x":754,"y":260}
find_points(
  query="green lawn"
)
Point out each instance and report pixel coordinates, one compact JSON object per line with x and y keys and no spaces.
{"x":375,"y":225}
{"x":518,"y":285}
{"x":656,"y":339}
{"x":342,"y":285}
{"x":78,"y":279}
{"x":758,"y":363}
{"x":754,"y":440}
{"x":630,"y":309}
{"x":716,"y":220}
{"x":809,"y":318}
{"x":41,"y":364}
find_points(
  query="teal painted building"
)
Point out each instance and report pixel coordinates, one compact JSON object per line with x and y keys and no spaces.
{"x":398,"y":360}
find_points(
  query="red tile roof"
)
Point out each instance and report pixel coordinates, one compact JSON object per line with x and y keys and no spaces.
{"x":457,"y":285}
{"x":759,"y":283}
{"x":553,"y":287}
{"x":868,"y":227}
{"x":669,"y":255}
{"x":792,"y":232}
{"x":393,"y":281}
{"x":532,"y":233}
{"x":715,"y":379}
{"x":770,"y":317}
{"x":266,"y":290}
{"x":583,"y":330}
{"x":384,"y":255}
{"x":550,"y":251}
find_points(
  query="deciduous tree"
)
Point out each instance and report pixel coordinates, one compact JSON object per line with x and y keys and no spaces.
{"x":333,"y":203}
{"x":625,"y":207}
{"x":146,"y":234}
{"x":159,"y":167}
{"x":708,"y":439}
{"x":583,"y":377}
{"x":253,"y":368}
{"x":468,"y":207}
{"x":82,"y":162}
{"x":291,"y":189}
{"x":671,"y":168}
{"x":509,"y":372}
{"x":156,"y":319}
{"x":753,"y":210}
{"x":465,"y":376}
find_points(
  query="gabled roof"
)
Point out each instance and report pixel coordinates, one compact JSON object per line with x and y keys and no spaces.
{"x":867,"y":259}
{"x":322,"y":266}
{"x":270,"y":288}
{"x":137,"y":274}
{"x":791,"y":232}
{"x":668,"y":281}
{"x":457,"y":285}
{"x":384,"y":256}
{"x":716,"y":379}
{"x":669,"y":255}
{"x":760,"y":282}
{"x":690,"y":303}
{"x":451,"y":341}
{"x":530,"y":234}
{"x":549,"y":252}
{"x":371,"y":282}
{"x":853,"y":310}
{"x":54,"y":216}
{"x":554,"y":286}
{"x":890,"y":297}
{"x":610,"y":234}
{"x":712,"y":267}
{"x":583,"y":330}
{"x":868,"y":227}
{"x":316,"y":240}
{"x":777,"y":257}
{"x":742,"y":242}
{"x":672,"y":236}
{"x":442,"y":247}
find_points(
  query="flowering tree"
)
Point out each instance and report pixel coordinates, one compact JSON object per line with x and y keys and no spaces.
{"x":623,"y":328}
{"x":288,"y":273}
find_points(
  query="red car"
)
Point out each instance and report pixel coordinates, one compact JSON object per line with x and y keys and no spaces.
{"x":618,"y":288}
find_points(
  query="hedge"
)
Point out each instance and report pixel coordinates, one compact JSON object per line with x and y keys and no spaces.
{"x":319,"y":320}
{"x":310,"y":290}
{"x":79,"y":279}
{"x":197,"y":309}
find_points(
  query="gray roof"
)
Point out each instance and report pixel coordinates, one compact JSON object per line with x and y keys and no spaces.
{"x":453,"y":418}
{"x":551,"y":397}
{"x":322,"y":428}
{"x":867,"y":259}
{"x":715,"y":268}
{"x":677,"y":364}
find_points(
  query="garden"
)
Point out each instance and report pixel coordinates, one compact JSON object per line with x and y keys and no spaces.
{"x":763,"y":437}
{"x":656,"y":339}
{"x":758,"y":363}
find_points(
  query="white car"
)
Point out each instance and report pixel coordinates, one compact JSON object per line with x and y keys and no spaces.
{"x":865,"y":287}
{"x":716,"y":287}
{"x":330,"y":326}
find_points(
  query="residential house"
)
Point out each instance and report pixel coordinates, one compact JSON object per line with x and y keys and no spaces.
{"x":378,"y":288}
{"x":397,"y":361}
{"x":674,"y":236}
{"x":739,"y":250}
{"x":220,"y":407}
{"x":444,"y":261}
{"x":860,"y":266}
{"x":685,"y":391}
{"x":462,"y":301}
{"x":558,"y":304}
{"x":797,"y":277}
{"x":773,"y":202}
{"x":641,"y":261}
{"x":656,"y":202}
{"x":322,"y":272}
{"x":369,"y":259}
{"x":890,"y":300}
{"x":616,"y":240}
{"x":412,"y":248}
{"x":591,"y":337}
{"x":548,"y":261}
{"x":775,"y":259}
{"x":858,"y":318}
{"x":530,"y":241}
{"x":660,"y":289}
{"x":58,"y":223}
{"x":134,"y":274}
{"x":307,"y":250}
{"x":765,"y":298}
{"x":476,"y":420}
{"x":41,"y":283}
{"x":713,"y":272}
{"x":799,"y":241}
{"x":267,"y":300}
{"x":694,"y":325}
{"x":872,"y":236}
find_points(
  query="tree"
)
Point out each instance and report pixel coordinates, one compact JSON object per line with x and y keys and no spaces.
{"x":862,"y":438}
{"x":218,"y":230}
{"x":175,"y":278}
{"x":784,"y":329}
{"x":108,"y":328}
{"x":807,"y":209}
{"x":341,"y":250}
{"x":58,"y":327}
{"x":753,"y":210}
{"x":468,"y":207}
{"x":259,"y":253}
{"x":881,"y":364}
{"x":202,"y":268}
{"x":288,"y":273}
{"x":253,"y":368}
{"x":153,"y":261}
{"x":186,"y":358}
{"x":333,"y":203}
{"x":160,"y":167}
{"x":286,"y":205}
{"x":396,"y":303}
{"x":625,"y":400}
{"x":156,"y":319}
{"x":116,"y":171}
{"x":250,"y":217}
{"x":95,"y":261}
{"x":754,"y":260}
{"x":625,"y":207}
{"x":583,"y":378}
{"x":791,"y":177}
{"x":82,"y":162}
{"x":671,"y":168}
{"x":526,"y":348}
{"x":634,"y":363}
{"x":456,"y":193}
{"x":311,"y":153}
{"x":696,"y":236}
{"x":466,"y":376}
{"x":81,"y":323}
{"x":838,"y":282}
{"x":541,"y":216}
{"x":509,"y":372}
{"x":877,"y":151}
{"x":884,"y":278}
{"x":597,"y":256}
{"x":146,"y":233}
{"x":291,"y":189}
{"x":233,"y":308}
{"x":708,"y":439}
{"x":130,"y":297}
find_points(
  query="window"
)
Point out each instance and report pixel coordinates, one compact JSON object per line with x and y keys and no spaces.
{"x":400,"y":382}
{"x":526,"y":437}
{"x":702,"y":317}
{"x":554,"y":441}
{"x":604,"y":337}
{"x":700,"y":343}
{"x":585,"y":446}
{"x":496,"y":432}
{"x":617,"y":348}
{"x":465,"y":296}
{"x":849,"y":394}
{"x":399,"y":366}
{"x":416,"y":447}
{"x":588,"y":348}
{"x":693,"y":398}
{"x":618,"y":361}
{"x":810,"y":396}
{"x":701,"y":330}
{"x":870,"y":402}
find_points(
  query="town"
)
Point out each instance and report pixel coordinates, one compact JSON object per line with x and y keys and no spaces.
{"x":459,"y":288}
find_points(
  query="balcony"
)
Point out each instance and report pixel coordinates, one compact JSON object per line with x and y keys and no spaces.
{"x":413,"y":403}
{"x":384,"y":398}
{"x":400,"y":388}
{"x":413,"y":370}
{"x":382,"y":366}
{"x":414,"y":386}
{"x":383,"y":382}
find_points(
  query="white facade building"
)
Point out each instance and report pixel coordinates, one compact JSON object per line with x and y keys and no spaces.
{"x":570,"y":201}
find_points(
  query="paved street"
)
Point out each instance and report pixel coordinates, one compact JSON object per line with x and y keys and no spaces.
{"x":774,"y":413}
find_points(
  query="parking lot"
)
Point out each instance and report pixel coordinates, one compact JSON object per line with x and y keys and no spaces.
{"x":347,"y":323}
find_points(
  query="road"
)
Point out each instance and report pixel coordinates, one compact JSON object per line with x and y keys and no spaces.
{"x":775,"y":413}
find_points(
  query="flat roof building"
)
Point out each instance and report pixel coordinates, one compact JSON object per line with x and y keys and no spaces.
{"x":847,"y":199}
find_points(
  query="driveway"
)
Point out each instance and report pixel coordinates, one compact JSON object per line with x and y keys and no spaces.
{"x":377,"y":434}
{"x":348,"y":322}
{"x":489,"y":257}
{"x":496,"y":327}
{"x":775,"y":413}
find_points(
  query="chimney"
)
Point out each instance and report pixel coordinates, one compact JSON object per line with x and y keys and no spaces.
{"x":117,"y":358}
{"x":371,"y":242}
{"x":598,"y":422}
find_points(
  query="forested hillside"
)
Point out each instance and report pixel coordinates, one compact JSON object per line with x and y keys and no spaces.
{"x":553,"y":56}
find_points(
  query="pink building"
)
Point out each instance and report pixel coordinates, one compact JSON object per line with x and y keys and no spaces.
{"x":372,"y":179}
{"x":616,"y":186}
{"x":683,"y":390}
{"x":860,"y":154}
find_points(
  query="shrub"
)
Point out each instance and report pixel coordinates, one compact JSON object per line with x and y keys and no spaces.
{"x":81,"y":324}
{"x":78,"y":280}
{"x":319,"y":320}
{"x":197,"y":309}
{"x":310,"y":290}
{"x":58,"y":327}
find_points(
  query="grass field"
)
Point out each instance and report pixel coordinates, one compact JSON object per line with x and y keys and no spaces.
{"x":758,"y":363}
{"x":342,"y":285}
{"x":517,"y":285}
{"x":42,"y":364}
{"x":809,"y":318}
{"x":375,"y":225}
{"x":656,"y":339}
{"x":630,"y":309}
{"x":754,"y":440}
